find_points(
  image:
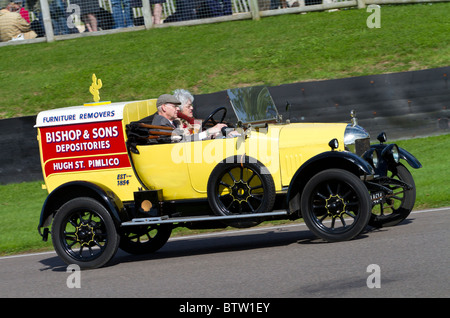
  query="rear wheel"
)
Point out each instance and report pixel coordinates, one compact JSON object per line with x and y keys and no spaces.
{"x":83,"y":233}
{"x":335,"y":205}
{"x":241,"y":188}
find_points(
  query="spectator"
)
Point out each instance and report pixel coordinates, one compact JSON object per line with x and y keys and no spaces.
{"x":122,"y":18}
{"x":157,"y":10}
{"x":213,"y":8}
{"x":105,"y":19}
{"x":16,"y":6}
{"x":59,"y":16}
{"x":277,"y":4}
{"x":185,"y":11}
{"x":226,"y":7}
{"x":13,"y":26}
{"x":88,"y":9}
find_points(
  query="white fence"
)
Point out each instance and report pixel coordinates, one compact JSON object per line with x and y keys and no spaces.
{"x":51,"y":20}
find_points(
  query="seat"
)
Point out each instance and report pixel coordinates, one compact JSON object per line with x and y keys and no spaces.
{"x":135,"y":111}
{"x":137,"y":119}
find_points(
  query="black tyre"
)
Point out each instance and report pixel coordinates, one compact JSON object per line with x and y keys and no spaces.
{"x":335,"y":205}
{"x":241,"y":188}
{"x":83,"y":233}
{"x":144,"y":239}
{"x":398,"y":206}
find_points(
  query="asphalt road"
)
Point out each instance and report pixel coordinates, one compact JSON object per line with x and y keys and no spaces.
{"x":408,"y":260}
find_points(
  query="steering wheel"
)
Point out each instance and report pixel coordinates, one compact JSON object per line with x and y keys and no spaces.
{"x":211,"y":116}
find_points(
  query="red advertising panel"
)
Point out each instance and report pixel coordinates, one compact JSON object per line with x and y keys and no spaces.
{"x":83,"y":147}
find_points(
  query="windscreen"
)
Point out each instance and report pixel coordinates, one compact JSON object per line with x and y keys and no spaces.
{"x":253,"y":104}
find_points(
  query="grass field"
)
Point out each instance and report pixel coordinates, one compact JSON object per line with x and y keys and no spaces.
{"x":21,"y":203}
{"x":214,"y":57}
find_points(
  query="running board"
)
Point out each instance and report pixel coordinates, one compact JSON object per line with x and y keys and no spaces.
{"x":167,"y":219}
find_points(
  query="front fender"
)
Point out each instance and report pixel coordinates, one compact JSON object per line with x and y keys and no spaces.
{"x":327,"y":160}
{"x":403,"y":154}
{"x":409,"y":158}
{"x":74,"y":189}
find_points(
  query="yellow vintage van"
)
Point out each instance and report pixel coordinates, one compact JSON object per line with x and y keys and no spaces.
{"x":115,"y":181}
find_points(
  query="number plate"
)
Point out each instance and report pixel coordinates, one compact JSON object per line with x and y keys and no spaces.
{"x":377,"y":197}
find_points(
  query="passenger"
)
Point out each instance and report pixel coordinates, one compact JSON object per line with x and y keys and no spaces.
{"x":189,"y":124}
{"x":186,"y":112}
{"x":168,"y":116}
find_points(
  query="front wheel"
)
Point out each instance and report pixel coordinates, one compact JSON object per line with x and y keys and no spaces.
{"x":83,"y":233}
{"x":335,"y":205}
{"x":397,"y":206}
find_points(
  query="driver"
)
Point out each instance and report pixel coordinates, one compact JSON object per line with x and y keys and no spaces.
{"x":167,"y":115}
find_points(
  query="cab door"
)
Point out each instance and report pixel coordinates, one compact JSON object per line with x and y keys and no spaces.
{"x":202,"y":156}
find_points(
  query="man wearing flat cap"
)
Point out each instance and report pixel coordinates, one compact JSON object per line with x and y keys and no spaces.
{"x":167,"y":111}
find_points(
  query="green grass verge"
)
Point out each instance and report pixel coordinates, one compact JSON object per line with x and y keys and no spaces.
{"x":21,"y":203}
{"x":431,"y":180}
{"x":209,"y":58}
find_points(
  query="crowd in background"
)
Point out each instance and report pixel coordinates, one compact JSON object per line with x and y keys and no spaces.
{"x":22,"y":19}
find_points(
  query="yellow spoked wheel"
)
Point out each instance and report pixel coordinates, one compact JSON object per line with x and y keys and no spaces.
{"x":84,"y":233}
{"x":335,"y":205}
{"x":238,"y":188}
{"x":394,"y":208}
